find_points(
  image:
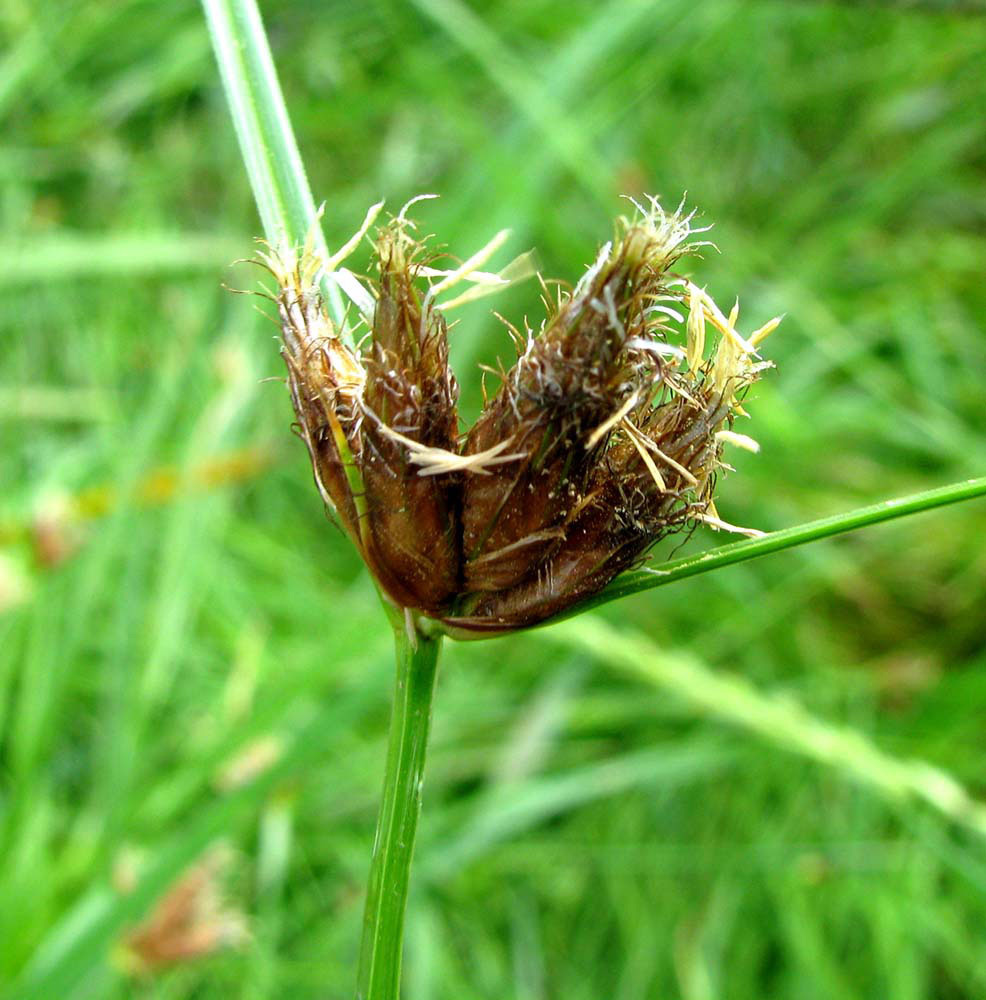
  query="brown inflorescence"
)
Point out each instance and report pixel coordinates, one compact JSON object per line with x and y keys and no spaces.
{"x":605,"y":436}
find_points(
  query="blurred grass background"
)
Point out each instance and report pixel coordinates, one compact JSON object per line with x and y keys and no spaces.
{"x":585,"y":834}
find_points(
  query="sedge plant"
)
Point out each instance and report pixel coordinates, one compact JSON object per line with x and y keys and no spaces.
{"x":609,"y":432}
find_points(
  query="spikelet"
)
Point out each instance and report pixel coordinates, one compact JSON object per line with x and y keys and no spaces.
{"x":559,"y":404}
{"x":409,"y":397}
{"x":651,"y":465}
{"x":326,"y":381}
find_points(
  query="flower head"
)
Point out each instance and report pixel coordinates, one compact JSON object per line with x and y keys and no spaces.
{"x":606,"y":434}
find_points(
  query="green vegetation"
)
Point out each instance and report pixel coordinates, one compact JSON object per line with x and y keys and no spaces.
{"x":762,"y":781}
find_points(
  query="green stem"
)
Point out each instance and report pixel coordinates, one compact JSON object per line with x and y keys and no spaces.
{"x":397,"y":823}
{"x":812,"y":531}
{"x":287,"y":212}
{"x":267,"y":142}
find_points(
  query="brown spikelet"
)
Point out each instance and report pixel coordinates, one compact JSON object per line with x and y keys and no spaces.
{"x":585,"y":366}
{"x":656,"y":471}
{"x":410,"y":395}
{"x":626,"y":511}
{"x":326,"y":381}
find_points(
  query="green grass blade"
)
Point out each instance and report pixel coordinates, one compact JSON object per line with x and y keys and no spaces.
{"x":267,"y":142}
{"x":82,"y":942}
{"x":511,"y":76}
{"x":69,"y":256}
{"x":779,"y":720}
{"x":510,"y":809}
{"x":812,"y":531}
